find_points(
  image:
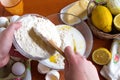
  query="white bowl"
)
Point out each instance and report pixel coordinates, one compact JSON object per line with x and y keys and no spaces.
{"x":22,"y":51}
{"x":81,"y":26}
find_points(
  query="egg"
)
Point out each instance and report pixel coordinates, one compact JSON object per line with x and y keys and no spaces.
{"x":14,"y":18}
{"x":52,"y":75}
{"x":18,"y":68}
{"x":43,"y":69}
{"x":3,"y":21}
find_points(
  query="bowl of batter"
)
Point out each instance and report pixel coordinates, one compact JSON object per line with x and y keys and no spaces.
{"x":74,"y":33}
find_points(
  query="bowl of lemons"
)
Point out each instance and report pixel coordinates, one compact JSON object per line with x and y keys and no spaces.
{"x":103,"y":19}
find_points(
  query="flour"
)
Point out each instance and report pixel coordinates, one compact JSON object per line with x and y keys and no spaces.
{"x":47,"y":31}
{"x":63,"y":35}
{"x":32,"y":43}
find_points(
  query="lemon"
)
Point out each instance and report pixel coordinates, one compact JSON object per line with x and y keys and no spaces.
{"x":117,"y":22}
{"x":101,"y":56}
{"x":102,"y":18}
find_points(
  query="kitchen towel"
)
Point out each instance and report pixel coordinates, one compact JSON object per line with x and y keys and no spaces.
{"x":111,"y":71}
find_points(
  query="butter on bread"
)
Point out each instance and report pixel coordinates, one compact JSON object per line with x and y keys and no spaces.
{"x":78,"y":9}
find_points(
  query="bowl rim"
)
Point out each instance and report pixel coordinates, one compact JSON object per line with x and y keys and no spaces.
{"x":87,"y":52}
{"x":17,"y":46}
{"x":81,"y":21}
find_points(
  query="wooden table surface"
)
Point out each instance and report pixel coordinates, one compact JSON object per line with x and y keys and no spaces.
{"x":45,"y":8}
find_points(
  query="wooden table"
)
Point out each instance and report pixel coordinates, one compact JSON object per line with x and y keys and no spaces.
{"x":45,"y":8}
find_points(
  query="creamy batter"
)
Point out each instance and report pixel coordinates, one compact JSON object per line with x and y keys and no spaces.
{"x":69,"y":36}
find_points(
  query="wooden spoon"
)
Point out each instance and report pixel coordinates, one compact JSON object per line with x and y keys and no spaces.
{"x":48,"y":42}
{"x":54,"y":46}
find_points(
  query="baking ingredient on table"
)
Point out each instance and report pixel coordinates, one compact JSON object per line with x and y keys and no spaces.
{"x":3,"y":21}
{"x":70,"y":36}
{"x":78,"y":9}
{"x":32,"y":43}
{"x":116,"y":22}
{"x":101,"y":56}
{"x":43,"y":69}
{"x":14,"y":18}
{"x":52,"y":75}
{"x":114,"y":6}
{"x":18,"y":68}
{"x":102,"y":18}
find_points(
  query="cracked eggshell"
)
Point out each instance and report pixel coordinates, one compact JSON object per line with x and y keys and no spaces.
{"x":3,"y":21}
{"x":52,"y":75}
{"x":43,"y":69}
{"x":14,"y":18}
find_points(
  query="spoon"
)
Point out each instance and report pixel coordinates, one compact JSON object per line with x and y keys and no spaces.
{"x":54,"y":46}
{"x":50,"y":43}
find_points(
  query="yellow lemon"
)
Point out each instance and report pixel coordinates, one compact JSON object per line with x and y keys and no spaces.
{"x":117,"y":22}
{"x":102,"y":18}
{"x":101,"y":56}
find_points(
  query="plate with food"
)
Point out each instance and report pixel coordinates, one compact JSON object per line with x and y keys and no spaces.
{"x":77,"y":8}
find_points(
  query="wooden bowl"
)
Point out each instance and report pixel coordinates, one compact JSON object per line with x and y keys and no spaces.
{"x":98,"y":33}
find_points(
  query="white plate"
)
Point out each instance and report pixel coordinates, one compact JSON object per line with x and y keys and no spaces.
{"x":63,"y":10}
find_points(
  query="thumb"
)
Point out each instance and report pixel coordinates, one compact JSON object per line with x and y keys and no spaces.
{"x":9,"y":31}
{"x":14,"y":26}
{"x":69,"y":54}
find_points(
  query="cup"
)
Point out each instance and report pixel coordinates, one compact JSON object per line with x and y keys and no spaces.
{"x":15,"y":7}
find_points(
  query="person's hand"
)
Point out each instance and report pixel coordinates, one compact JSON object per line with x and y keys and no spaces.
{"x":77,"y":67}
{"x":6,"y":39}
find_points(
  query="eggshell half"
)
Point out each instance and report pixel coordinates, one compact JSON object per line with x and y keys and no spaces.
{"x":52,"y":75}
{"x":43,"y":69}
